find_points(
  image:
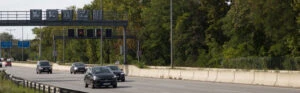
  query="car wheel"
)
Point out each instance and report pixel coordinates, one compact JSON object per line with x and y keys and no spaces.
{"x":71,"y":72}
{"x":74,"y":72}
{"x":115,"y":86}
{"x":86,"y":85}
{"x":123,"y":80}
{"x":50,"y":72}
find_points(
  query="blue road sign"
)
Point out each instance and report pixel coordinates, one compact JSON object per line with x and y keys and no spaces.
{"x":6,"y":44}
{"x":23,"y":44}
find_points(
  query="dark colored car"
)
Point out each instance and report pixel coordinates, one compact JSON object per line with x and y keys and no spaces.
{"x":119,"y":73}
{"x":100,"y":76}
{"x":77,"y":67}
{"x":0,"y":63}
{"x":43,"y":66}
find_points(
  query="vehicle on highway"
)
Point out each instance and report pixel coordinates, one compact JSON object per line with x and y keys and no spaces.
{"x":10,"y":59}
{"x":118,"y":72}
{"x":1,"y":63}
{"x":78,"y":67}
{"x":6,"y":63}
{"x":100,"y":76}
{"x":43,"y":66}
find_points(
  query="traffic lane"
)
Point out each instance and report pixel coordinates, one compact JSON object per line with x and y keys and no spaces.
{"x":144,"y":85}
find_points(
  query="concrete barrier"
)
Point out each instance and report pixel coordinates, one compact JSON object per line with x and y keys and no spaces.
{"x":257,"y":77}
{"x":244,"y":77}
{"x":212,"y":75}
{"x":283,"y":78}
{"x":201,"y":75}
{"x":294,"y":79}
{"x":265,"y":78}
{"x":24,"y":65}
{"x":225,"y":76}
{"x":187,"y":75}
{"x":175,"y":74}
{"x":61,"y":67}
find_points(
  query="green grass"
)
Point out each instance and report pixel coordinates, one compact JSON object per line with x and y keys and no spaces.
{"x":7,"y":86}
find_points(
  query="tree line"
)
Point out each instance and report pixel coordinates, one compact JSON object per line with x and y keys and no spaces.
{"x":261,"y":34}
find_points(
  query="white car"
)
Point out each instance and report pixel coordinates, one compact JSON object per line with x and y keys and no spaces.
{"x":10,"y":59}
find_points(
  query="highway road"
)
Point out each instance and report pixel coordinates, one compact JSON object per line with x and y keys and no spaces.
{"x":143,"y":85}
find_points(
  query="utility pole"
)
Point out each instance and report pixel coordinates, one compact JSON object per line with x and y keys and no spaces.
{"x":22,"y":45}
{"x":40,"y":47}
{"x":63,"y":45}
{"x":171,"y":32}
{"x":10,"y":40}
{"x":101,"y":46}
{"x":138,"y":50}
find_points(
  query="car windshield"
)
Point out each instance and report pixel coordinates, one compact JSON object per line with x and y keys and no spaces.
{"x":113,"y":67}
{"x":98,"y":70}
{"x":44,"y":64}
{"x":79,"y":64}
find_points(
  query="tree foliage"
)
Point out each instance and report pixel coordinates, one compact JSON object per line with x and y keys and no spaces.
{"x":206,"y":33}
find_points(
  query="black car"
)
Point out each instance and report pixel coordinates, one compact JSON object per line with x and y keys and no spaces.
{"x":119,"y":73}
{"x":77,"y":67}
{"x":43,"y":66}
{"x":100,"y":76}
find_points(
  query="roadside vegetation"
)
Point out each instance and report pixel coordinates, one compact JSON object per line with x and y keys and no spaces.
{"x":246,"y":34}
{"x":7,"y":86}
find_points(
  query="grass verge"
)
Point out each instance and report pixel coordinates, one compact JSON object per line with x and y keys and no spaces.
{"x":7,"y":86}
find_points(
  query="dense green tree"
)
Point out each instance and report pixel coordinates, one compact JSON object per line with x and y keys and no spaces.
{"x":206,"y":33}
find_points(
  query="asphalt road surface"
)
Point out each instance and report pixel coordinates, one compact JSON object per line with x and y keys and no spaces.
{"x":143,"y":85}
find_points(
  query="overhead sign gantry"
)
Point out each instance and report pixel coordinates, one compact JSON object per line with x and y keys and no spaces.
{"x":52,"y":17}
{"x":55,"y":17}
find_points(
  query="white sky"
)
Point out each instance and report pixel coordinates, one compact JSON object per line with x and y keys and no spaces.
{"x":26,"y":5}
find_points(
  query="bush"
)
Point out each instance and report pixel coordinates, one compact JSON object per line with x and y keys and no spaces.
{"x":140,"y":64}
{"x":278,"y":63}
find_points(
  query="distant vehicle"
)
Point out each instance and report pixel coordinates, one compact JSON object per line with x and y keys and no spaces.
{"x":6,"y":63}
{"x":43,"y":66}
{"x":1,"y":63}
{"x":77,"y":67}
{"x":10,"y":59}
{"x":100,"y":76}
{"x":1,"y":59}
{"x":118,"y":72}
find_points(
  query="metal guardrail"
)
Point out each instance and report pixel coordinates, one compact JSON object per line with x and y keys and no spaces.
{"x":45,"y":88}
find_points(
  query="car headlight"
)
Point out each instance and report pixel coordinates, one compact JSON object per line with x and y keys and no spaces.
{"x":75,"y":68}
{"x":95,"y":77}
{"x":40,"y":68}
{"x":114,"y":76}
{"x":122,"y":73}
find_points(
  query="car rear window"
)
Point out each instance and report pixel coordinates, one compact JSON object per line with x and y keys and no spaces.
{"x":44,"y":64}
{"x":98,"y":70}
{"x":79,"y":64}
{"x":113,"y":67}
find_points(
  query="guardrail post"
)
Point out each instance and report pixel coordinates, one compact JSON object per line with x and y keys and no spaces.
{"x":49,"y":87}
{"x":39,"y":85}
{"x":54,"y":90}
{"x":30,"y":84}
{"x":26,"y":83}
{"x":34,"y":87}
{"x":23,"y":83}
{"x":43,"y":88}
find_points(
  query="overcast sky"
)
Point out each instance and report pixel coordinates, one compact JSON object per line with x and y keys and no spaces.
{"x":26,"y":5}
